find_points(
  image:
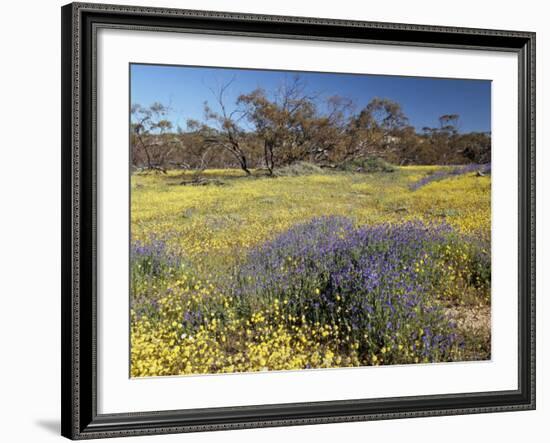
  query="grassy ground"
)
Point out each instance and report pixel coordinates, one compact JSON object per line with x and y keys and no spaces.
{"x":214,"y":221}
{"x":213,"y":227}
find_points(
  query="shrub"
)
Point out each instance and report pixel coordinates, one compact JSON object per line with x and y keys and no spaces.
{"x":369,"y":165}
{"x":298,"y":168}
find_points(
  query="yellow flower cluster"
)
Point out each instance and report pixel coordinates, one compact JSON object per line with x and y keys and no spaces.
{"x":227,"y":343}
{"x":214,"y":223}
{"x":269,"y":339}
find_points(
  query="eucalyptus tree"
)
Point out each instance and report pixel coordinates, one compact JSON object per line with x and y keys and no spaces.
{"x":284,"y":120}
{"x":375,"y":130}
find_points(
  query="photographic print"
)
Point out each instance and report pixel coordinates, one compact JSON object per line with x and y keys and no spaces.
{"x":304,"y":220}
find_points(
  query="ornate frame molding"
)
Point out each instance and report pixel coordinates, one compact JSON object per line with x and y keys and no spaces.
{"x":79,"y":391}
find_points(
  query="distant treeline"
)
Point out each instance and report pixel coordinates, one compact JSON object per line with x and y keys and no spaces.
{"x":269,"y":130}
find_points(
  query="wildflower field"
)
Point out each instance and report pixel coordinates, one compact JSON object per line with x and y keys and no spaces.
{"x":314,"y":270}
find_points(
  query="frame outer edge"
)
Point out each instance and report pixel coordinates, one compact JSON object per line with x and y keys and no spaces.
{"x":70,"y":60}
{"x":72,"y":400}
{"x":250,"y":17}
{"x":532,"y":109}
{"x":66,"y":223}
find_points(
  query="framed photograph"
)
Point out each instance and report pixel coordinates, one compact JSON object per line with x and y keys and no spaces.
{"x":273,"y":221}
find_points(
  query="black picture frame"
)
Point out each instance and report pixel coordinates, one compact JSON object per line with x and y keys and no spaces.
{"x":79,"y":174}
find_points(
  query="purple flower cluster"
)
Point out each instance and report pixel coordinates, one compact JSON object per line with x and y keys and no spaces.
{"x":372,"y":281}
{"x":152,"y":265}
{"x":153,"y":258}
{"x":445,"y":173}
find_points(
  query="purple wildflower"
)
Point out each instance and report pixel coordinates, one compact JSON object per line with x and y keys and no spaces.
{"x":446,"y":173}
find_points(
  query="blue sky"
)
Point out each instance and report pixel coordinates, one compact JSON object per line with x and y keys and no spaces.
{"x":185,"y":89}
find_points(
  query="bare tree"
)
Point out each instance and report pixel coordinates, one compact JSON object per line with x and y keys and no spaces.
{"x":227,"y":133}
{"x":150,"y":134}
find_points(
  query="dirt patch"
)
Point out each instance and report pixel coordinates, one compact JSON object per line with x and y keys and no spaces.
{"x":474,"y":324}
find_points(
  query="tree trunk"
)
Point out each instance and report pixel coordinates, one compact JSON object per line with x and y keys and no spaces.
{"x":244,"y":167}
{"x":268,"y":156}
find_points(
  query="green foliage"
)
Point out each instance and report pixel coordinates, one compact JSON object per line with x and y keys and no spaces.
{"x":298,"y":168}
{"x":369,"y":165}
